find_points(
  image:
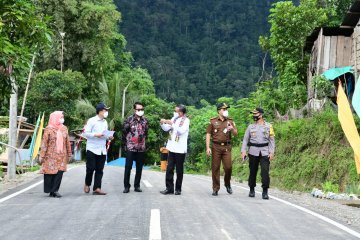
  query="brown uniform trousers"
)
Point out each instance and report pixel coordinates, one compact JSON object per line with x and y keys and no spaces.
{"x":221,"y":154}
{"x":221,"y":150}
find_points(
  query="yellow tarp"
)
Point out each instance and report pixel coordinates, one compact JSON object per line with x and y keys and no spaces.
{"x":348,"y":125}
{"x":38,"y":139}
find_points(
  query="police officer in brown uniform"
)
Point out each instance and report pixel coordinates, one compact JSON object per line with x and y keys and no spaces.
{"x":220,"y":129}
{"x":259,"y":138}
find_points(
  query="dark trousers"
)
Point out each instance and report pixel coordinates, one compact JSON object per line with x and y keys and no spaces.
{"x":254,"y":165}
{"x":139,"y":158}
{"x":175,"y":159}
{"x":221,"y":154}
{"x":94,"y":163}
{"x":52,"y":182}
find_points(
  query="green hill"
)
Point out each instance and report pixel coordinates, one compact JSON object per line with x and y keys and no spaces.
{"x":197,"y":49}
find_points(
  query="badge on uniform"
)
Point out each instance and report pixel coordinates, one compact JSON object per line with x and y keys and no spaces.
{"x":225,"y":130}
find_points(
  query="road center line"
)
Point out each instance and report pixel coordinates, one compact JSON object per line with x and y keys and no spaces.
{"x":146,"y":183}
{"x":226,"y":234}
{"x":155,"y":228}
{"x":325,"y":219}
{"x":26,"y":189}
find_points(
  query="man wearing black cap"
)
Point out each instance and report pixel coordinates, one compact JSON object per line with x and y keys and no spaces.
{"x":96,"y":148}
{"x":260,"y":139}
{"x":220,"y":129}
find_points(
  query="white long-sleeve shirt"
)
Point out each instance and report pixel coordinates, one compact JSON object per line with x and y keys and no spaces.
{"x":94,"y":144}
{"x":182,"y":132}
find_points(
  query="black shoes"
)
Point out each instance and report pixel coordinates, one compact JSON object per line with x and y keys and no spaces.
{"x":55,"y":195}
{"x":228,"y":189}
{"x":177,"y":192}
{"x":126,"y":190}
{"x":166,"y":192}
{"x":137,"y":189}
{"x":252,"y":192}
{"x":215,"y":193}
{"x":265,"y":194}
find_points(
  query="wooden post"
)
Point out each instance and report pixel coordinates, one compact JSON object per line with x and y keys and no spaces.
{"x":25,"y":95}
{"x":11,"y":172}
{"x":320,"y":49}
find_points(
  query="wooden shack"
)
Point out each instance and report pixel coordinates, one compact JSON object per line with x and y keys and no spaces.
{"x":331,"y":47}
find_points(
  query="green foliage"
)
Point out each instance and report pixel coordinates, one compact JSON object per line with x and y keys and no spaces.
{"x":311,"y":152}
{"x":22,"y":32}
{"x":4,"y":139}
{"x":324,"y":87}
{"x":205,"y":49}
{"x":53,"y":90}
{"x":92,"y":42}
{"x":328,"y":186}
{"x":353,"y":189}
{"x":290,"y":25}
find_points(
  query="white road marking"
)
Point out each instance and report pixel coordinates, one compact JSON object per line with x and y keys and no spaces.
{"x":325,"y":219}
{"x":26,"y":189}
{"x":226,"y":234}
{"x":155,"y":228}
{"x":20,"y":192}
{"x":146,"y":183}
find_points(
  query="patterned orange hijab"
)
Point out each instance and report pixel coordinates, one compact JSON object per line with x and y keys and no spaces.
{"x":54,"y":122}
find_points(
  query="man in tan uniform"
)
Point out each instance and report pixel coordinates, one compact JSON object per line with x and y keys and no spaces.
{"x":259,"y":138}
{"x":220,"y":129}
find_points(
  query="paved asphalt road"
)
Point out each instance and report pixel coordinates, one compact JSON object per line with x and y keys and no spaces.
{"x":149,"y":215}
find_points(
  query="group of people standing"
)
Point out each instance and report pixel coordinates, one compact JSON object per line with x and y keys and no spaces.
{"x":56,"y":149}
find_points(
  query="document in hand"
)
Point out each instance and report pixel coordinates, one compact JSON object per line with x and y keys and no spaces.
{"x":166,"y":127}
{"x":108,"y":133}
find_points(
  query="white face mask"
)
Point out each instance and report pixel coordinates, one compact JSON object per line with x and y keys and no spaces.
{"x":61,"y":121}
{"x":226,"y":113}
{"x":176,"y":115}
{"x":106,"y":114}
{"x":140,"y":113}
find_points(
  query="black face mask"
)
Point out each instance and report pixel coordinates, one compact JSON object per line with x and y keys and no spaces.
{"x":256,"y":118}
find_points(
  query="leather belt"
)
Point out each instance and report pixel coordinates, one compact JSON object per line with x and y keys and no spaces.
{"x":222,"y":143}
{"x":250,"y":144}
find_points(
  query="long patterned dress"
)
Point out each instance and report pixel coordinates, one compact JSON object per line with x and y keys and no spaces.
{"x":51,"y":161}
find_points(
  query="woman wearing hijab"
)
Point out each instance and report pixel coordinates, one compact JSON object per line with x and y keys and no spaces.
{"x":55,"y":153}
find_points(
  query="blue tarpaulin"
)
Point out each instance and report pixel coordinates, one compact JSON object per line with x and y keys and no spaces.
{"x":334,"y":73}
{"x":356,"y":98}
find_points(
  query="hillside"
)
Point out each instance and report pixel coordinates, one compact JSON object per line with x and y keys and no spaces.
{"x":197,"y":49}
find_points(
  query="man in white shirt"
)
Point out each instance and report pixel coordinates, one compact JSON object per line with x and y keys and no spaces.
{"x":177,"y":146}
{"x":96,"y":148}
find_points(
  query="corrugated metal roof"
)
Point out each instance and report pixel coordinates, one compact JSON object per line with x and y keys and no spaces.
{"x":345,"y":29}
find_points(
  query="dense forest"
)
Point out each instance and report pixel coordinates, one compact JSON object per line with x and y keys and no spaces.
{"x":197,"y":49}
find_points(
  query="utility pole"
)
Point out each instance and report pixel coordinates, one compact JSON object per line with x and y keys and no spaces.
{"x":11,"y":171}
{"x":123,"y":110}
{"x":62,"y":35}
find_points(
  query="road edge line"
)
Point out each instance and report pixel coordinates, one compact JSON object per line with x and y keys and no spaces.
{"x":27,"y":189}
{"x":308,"y":211}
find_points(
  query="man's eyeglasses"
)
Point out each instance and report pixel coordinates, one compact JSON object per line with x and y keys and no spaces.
{"x":140,"y":109}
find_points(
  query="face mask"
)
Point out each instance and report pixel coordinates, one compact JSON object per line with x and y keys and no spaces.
{"x":256,"y":118}
{"x":226,"y":113}
{"x":106,"y":114}
{"x":176,"y":115}
{"x":61,"y":121}
{"x":140,"y":113}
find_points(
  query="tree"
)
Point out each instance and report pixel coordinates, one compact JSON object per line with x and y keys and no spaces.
{"x":197,"y":49}
{"x":53,"y":90}
{"x":290,"y":25}
{"x":92,"y":42}
{"x":22,"y":33}
{"x":136,"y":81}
